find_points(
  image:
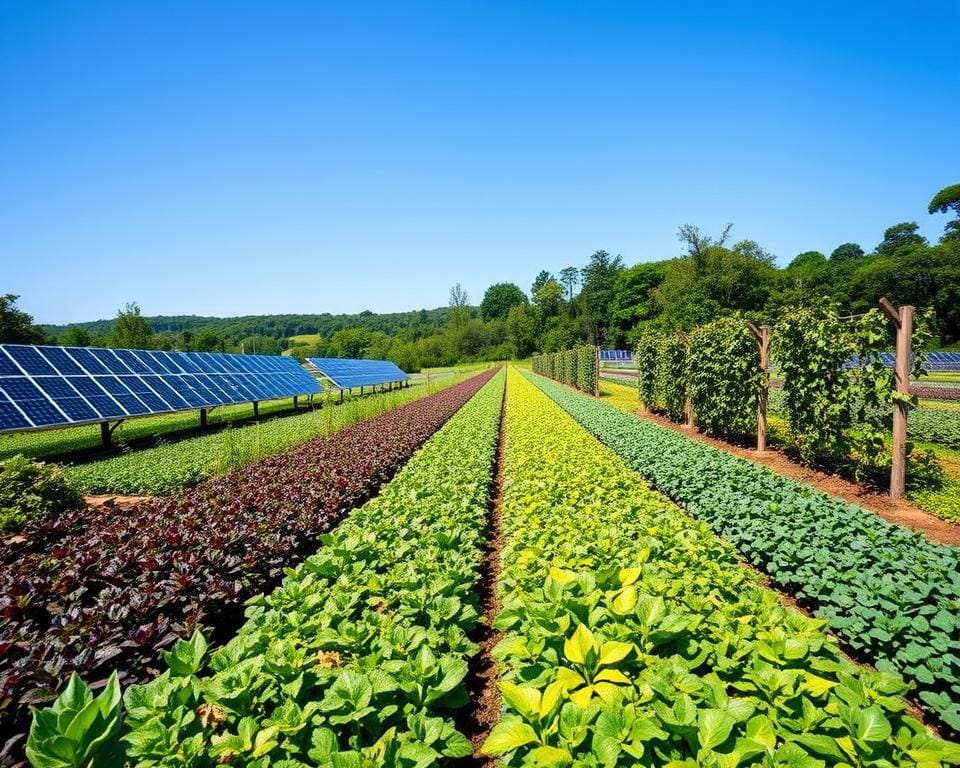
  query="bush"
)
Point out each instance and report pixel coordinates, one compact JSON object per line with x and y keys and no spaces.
{"x":31,"y":490}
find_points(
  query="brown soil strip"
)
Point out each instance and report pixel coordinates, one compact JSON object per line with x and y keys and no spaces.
{"x":481,"y":681}
{"x":899,"y":512}
{"x":115,"y":500}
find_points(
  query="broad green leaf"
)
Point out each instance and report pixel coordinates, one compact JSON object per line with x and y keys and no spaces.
{"x":872,"y":725}
{"x":613,"y":651}
{"x":625,"y":601}
{"x":713,"y":727}
{"x":524,"y":699}
{"x":508,"y":736}
{"x":578,"y":647}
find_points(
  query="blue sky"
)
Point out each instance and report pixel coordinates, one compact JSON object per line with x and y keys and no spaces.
{"x":245,"y":158}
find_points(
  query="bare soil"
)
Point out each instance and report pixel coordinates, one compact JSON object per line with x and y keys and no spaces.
{"x":481,"y":681}
{"x":115,"y":500}
{"x":900,"y":511}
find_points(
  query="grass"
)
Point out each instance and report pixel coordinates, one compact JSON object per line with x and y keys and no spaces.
{"x":62,"y":442}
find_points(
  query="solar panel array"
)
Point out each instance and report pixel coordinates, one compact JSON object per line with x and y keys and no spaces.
{"x":616,"y":355}
{"x":944,"y":362}
{"x":346,"y":374}
{"x":44,"y":386}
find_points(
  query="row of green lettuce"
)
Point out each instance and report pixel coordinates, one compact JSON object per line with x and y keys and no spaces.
{"x":633,"y":636}
{"x":889,"y":593}
{"x":357,"y":659}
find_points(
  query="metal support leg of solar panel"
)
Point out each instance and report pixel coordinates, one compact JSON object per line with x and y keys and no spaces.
{"x":106,"y":432}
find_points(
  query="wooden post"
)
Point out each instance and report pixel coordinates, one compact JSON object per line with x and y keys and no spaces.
{"x":762,"y":335}
{"x":902,"y":320}
{"x":105,"y":434}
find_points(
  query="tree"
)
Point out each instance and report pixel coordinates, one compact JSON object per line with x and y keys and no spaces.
{"x":542,"y":277}
{"x":522,"y":329}
{"x":548,"y":297}
{"x":698,"y":244}
{"x":499,"y":298}
{"x":16,"y":326}
{"x":596,"y":293}
{"x":899,"y":236}
{"x":75,"y":336}
{"x":350,"y":342}
{"x":459,"y":307}
{"x":569,"y":277}
{"x":807,"y":260}
{"x":946,"y":200}
{"x":258,"y":344}
{"x":207,"y":340}
{"x":131,"y":330}
{"x":846,"y":252}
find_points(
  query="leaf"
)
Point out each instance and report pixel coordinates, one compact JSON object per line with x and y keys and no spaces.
{"x":577,"y":648}
{"x":625,"y":601}
{"x":818,"y":686}
{"x":613,"y":651}
{"x":524,"y":699}
{"x":713,"y":727}
{"x":508,"y":736}
{"x":550,"y":756}
{"x":872,"y":725}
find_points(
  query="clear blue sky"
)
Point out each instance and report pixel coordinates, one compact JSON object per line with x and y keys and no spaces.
{"x":246,"y":158}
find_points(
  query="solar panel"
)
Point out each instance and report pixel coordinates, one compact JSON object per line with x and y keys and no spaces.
{"x":346,"y":374}
{"x":42,"y":386}
{"x":943,"y":362}
{"x":616,"y":355}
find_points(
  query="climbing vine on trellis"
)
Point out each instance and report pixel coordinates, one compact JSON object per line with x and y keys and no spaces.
{"x":725,"y":377}
{"x":838,"y":394}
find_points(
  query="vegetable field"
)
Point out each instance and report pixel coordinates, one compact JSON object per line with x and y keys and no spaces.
{"x":331,"y":606}
{"x":98,"y":590}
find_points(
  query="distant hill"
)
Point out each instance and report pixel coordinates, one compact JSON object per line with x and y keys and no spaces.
{"x":277,"y":326}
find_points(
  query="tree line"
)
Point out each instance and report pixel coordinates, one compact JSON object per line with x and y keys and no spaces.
{"x":603,"y":302}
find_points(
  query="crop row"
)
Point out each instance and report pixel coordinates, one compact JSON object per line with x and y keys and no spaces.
{"x":108,"y":589}
{"x":634,"y":636}
{"x":889,"y":593}
{"x":360,"y":656}
{"x":171,"y":466}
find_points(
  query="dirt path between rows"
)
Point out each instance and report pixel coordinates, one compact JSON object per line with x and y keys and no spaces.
{"x":482,"y":680}
{"x":899,"y":512}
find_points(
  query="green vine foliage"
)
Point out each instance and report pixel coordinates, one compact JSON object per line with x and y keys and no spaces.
{"x":662,"y":362}
{"x":646,"y":359}
{"x":575,"y":367}
{"x":725,"y":377}
{"x":672,"y":369}
{"x":587,"y":373}
{"x":838,"y":412}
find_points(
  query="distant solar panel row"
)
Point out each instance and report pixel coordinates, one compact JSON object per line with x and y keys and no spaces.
{"x":59,"y":386}
{"x":936,"y":361}
{"x":616,"y":355}
{"x":346,"y":374}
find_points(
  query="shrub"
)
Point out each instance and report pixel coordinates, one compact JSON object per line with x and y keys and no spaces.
{"x":31,"y":490}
